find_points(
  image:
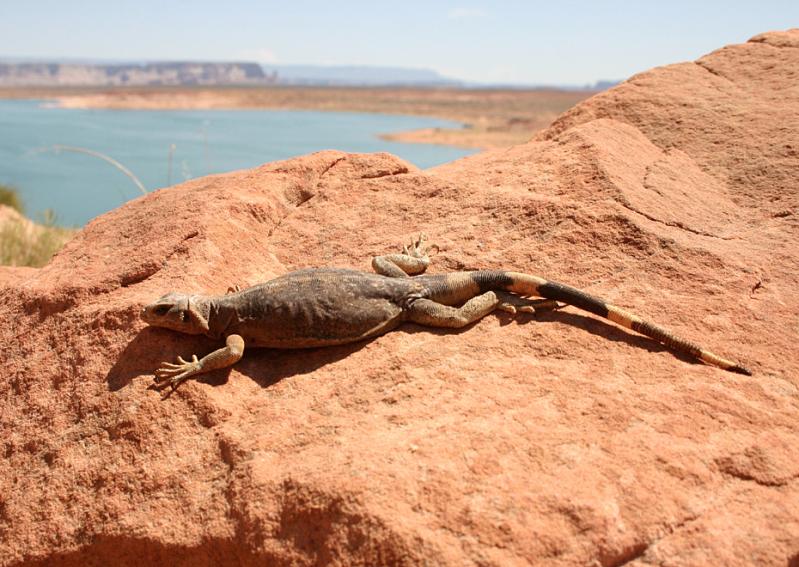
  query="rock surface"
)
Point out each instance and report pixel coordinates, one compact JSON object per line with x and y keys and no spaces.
{"x":557,"y":440}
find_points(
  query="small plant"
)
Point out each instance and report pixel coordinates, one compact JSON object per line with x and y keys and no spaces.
{"x":76,"y":149}
{"x":10,"y":197}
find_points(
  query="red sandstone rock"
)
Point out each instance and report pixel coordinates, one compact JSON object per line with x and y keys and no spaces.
{"x":558,"y":440}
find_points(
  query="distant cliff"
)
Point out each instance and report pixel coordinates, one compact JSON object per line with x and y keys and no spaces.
{"x":105,"y":74}
{"x":132,"y":74}
{"x":358,"y":75}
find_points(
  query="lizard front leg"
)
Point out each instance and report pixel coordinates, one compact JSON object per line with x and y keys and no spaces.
{"x":173,"y":374}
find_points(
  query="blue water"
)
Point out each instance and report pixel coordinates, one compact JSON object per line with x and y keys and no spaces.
{"x":78,"y":187}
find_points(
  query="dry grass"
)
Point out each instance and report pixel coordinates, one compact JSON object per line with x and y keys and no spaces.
{"x":10,"y":198}
{"x":25,"y":243}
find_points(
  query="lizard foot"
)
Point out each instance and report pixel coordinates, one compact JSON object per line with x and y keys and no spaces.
{"x":514,"y":304}
{"x":418,"y":248}
{"x":233,"y":289}
{"x":174,"y":374}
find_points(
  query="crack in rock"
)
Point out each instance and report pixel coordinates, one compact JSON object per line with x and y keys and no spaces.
{"x":145,"y":271}
{"x":378,"y":175}
{"x":625,"y":202}
{"x":702,"y":65}
{"x":327,"y":169}
{"x":674,"y":224}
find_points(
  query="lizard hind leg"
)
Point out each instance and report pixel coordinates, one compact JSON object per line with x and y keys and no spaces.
{"x":433,"y":314}
{"x":412,"y":261}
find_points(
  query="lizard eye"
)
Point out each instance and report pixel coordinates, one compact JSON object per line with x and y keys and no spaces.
{"x":161,"y":310}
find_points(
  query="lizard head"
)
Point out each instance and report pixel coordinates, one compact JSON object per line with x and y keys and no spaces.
{"x":178,"y":312}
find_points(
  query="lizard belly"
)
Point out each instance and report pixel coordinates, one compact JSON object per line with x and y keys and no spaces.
{"x":315,"y":308}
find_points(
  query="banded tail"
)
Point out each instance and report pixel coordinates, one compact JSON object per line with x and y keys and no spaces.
{"x":524,"y":284}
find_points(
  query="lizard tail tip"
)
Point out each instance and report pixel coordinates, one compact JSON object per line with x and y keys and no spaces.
{"x":738,"y":369}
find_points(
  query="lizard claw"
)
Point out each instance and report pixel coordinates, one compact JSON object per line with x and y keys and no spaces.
{"x":507,"y":308}
{"x":173,"y":375}
{"x":514,"y":309}
{"x":417,"y":248}
{"x":545,"y":305}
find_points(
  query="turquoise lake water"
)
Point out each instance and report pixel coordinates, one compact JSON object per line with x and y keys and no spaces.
{"x":78,"y":187}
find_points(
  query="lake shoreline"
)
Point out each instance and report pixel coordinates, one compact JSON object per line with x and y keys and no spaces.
{"x":492,"y":118}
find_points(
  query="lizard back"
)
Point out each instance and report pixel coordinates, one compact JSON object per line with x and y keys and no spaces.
{"x":315,"y":307}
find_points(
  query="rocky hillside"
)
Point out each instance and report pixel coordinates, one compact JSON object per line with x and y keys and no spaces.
{"x":559,"y":440}
{"x":178,"y":73}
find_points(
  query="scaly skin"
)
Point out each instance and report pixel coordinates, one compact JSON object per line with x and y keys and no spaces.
{"x":321,"y":307}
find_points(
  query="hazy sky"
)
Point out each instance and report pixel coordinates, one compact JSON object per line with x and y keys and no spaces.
{"x":540,"y":42}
